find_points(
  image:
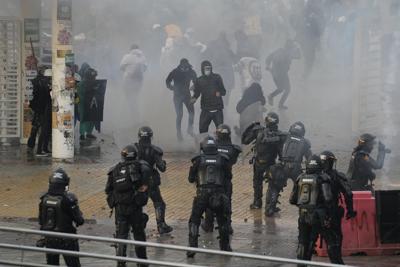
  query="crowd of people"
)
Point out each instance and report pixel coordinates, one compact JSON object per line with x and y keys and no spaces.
{"x":277,"y":155}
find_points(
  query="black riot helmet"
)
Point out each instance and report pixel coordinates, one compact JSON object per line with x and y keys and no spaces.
{"x":313,"y":165}
{"x":297,"y":129}
{"x":272,"y":119}
{"x":223,"y":132}
{"x":59,"y":177}
{"x":145,"y":134}
{"x":328,"y":160}
{"x":366,"y":141}
{"x":209,"y":146}
{"x":129,"y":153}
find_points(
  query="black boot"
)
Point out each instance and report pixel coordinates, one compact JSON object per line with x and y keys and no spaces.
{"x":193,"y":239}
{"x":224,"y":240}
{"x":258,"y":194}
{"x":121,"y":251}
{"x":162,"y":226}
{"x":257,"y":204}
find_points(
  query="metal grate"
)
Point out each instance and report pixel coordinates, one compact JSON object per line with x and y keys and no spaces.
{"x":10,"y":35}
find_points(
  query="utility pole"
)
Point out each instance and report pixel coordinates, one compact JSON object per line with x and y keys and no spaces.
{"x":62,"y":95}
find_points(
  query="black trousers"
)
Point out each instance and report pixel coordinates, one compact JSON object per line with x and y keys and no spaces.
{"x":34,"y":130}
{"x":64,"y":244}
{"x":216,"y":200}
{"x":41,"y":123}
{"x":279,"y":181}
{"x":179,"y":101}
{"x":282,"y":83}
{"x":158,"y":203}
{"x":309,"y":228}
{"x":258,"y":179}
{"x":134,"y":220}
{"x":206,"y":117}
{"x":210,"y":215}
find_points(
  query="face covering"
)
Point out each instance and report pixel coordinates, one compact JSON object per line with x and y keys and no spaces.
{"x":207,"y":72}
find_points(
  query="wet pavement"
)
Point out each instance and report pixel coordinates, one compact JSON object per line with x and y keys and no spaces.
{"x":24,"y":177}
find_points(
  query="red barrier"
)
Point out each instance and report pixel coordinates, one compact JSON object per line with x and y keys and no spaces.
{"x":360,"y":235}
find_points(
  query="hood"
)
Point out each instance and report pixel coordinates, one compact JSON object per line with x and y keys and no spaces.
{"x":85,"y":66}
{"x":204,"y":64}
{"x":184,"y":63}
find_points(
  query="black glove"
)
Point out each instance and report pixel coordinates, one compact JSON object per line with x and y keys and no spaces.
{"x":351,"y":214}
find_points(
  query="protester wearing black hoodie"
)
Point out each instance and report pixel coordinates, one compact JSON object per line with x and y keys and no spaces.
{"x":41,"y":106}
{"x":211,"y":88}
{"x":178,"y":81}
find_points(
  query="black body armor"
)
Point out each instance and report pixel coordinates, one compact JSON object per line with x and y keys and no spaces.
{"x":210,"y":170}
{"x":294,"y":149}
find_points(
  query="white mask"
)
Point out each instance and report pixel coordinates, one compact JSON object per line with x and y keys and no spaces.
{"x":207,"y":72}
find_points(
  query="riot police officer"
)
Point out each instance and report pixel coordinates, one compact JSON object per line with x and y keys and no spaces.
{"x":295,"y":148}
{"x":209,"y":172}
{"x":362,"y":165}
{"x":339,"y":187}
{"x":126,"y":191}
{"x":58,"y":211}
{"x":268,"y":145}
{"x":225,"y":146}
{"x":153,"y":156}
{"x":312,"y":194}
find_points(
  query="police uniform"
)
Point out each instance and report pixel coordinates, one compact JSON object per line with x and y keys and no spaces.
{"x":268,"y":145}
{"x":295,"y":148}
{"x":361,"y":169}
{"x":312,"y":193}
{"x":58,"y":211}
{"x":153,"y":156}
{"x":209,"y":172}
{"x":232,"y":151}
{"x":340,"y":187}
{"x":122,"y":189}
